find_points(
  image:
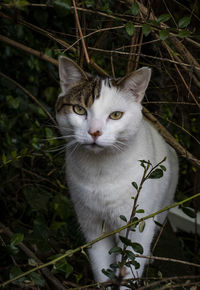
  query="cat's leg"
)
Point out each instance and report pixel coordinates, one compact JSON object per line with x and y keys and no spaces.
{"x":99,"y":257}
{"x":144,"y":239}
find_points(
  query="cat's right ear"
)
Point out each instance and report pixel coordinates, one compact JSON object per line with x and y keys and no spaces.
{"x":70,"y":73}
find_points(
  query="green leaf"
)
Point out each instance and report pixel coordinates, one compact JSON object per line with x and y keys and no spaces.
{"x":21,"y":3}
{"x":13,"y":250}
{"x":183,"y":33}
{"x":130,"y":255}
{"x":122,"y":217}
{"x":189,"y":212}
{"x":146,"y":29}
{"x":116,"y":250}
{"x":125,"y":241}
{"x":66,"y":4}
{"x":15,"y":271}
{"x":141,"y":226}
{"x":12,"y":102}
{"x":64,"y":266}
{"x":109,"y":273}
{"x":135,"y":8}
{"x":32,"y":262}
{"x":157,"y":173}
{"x":183,"y":22}
{"x":114,"y":266}
{"x":14,"y":154}
{"x":137,"y":248}
{"x":164,"y":34}
{"x":163,"y":168}
{"x":163,"y":18}
{"x":130,"y":28}
{"x":135,"y":185}
{"x":37,"y":279}
{"x":136,"y":264}
{"x":4,"y":159}
{"x":16,"y":239}
{"x":140,"y":211}
{"x":89,"y":3}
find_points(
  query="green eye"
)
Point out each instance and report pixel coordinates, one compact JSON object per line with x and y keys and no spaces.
{"x":116,"y":115}
{"x":79,"y":110}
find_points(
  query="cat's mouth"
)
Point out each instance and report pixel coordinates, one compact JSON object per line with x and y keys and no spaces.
{"x":93,"y":147}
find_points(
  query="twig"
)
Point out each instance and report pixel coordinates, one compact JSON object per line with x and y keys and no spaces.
{"x":181,"y":76}
{"x":39,"y":30}
{"x":171,"y":140}
{"x":178,"y":126}
{"x":168,"y":260}
{"x":69,"y":253}
{"x":187,"y":277}
{"x":61,"y":42}
{"x":30,"y":254}
{"x":180,"y":286}
{"x":30,"y":95}
{"x":144,"y":55}
{"x":80,"y":32}
{"x":29,"y":50}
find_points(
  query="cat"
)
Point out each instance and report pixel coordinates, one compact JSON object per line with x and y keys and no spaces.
{"x":106,"y":134}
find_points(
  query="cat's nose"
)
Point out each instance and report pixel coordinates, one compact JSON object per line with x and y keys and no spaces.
{"x":95,"y":134}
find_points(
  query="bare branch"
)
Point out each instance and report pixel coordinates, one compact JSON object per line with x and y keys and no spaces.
{"x":30,"y":254}
{"x":30,"y":95}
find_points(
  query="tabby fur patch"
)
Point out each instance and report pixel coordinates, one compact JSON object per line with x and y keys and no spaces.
{"x":83,"y":94}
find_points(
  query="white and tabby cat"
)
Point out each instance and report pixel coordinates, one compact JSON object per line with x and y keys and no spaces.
{"x":106,"y":135}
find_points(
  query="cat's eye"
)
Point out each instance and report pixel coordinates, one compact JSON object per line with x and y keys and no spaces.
{"x":116,"y":115}
{"x":79,"y":110}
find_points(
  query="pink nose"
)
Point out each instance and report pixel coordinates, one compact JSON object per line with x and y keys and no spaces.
{"x":95,"y":134}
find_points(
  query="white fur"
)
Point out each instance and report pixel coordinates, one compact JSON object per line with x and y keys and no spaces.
{"x":100,"y":176}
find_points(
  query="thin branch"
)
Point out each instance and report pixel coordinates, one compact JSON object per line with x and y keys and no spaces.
{"x":178,"y":126}
{"x":145,"y":55}
{"x":187,"y":277}
{"x":168,"y":260}
{"x":171,"y":140}
{"x":61,"y":42}
{"x":180,"y":74}
{"x":32,"y":51}
{"x":30,"y":95}
{"x":39,"y":30}
{"x":80,"y":32}
{"x":30,"y":254}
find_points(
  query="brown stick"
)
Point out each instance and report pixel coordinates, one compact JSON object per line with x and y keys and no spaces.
{"x":30,"y":95}
{"x":171,"y":140}
{"x":29,"y":50}
{"x":80,"y":32}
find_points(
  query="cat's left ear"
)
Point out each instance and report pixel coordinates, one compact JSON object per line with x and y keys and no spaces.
{"x":70,"y":73}
{"x":137,"y":82}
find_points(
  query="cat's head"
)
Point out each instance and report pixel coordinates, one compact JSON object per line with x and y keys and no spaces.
{"x":99,"y":114}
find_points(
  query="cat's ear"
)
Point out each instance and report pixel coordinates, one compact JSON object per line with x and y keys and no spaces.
{"x":137,"y":82}
{"x":70,"y":73}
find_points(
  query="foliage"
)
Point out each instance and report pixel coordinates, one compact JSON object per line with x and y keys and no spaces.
{"x":119,"y":37}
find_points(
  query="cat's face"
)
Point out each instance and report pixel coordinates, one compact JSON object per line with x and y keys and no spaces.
{"x":97,"y":114}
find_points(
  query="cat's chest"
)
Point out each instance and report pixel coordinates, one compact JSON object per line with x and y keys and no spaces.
{"x":102,"y":185}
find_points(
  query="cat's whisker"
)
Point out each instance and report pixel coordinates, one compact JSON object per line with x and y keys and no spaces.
{"x":118,"y":148}
{"x":57,"y":148}
{"x":74,"y":149}
{"x":71,"y":143}
{"x":60,"y":152}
